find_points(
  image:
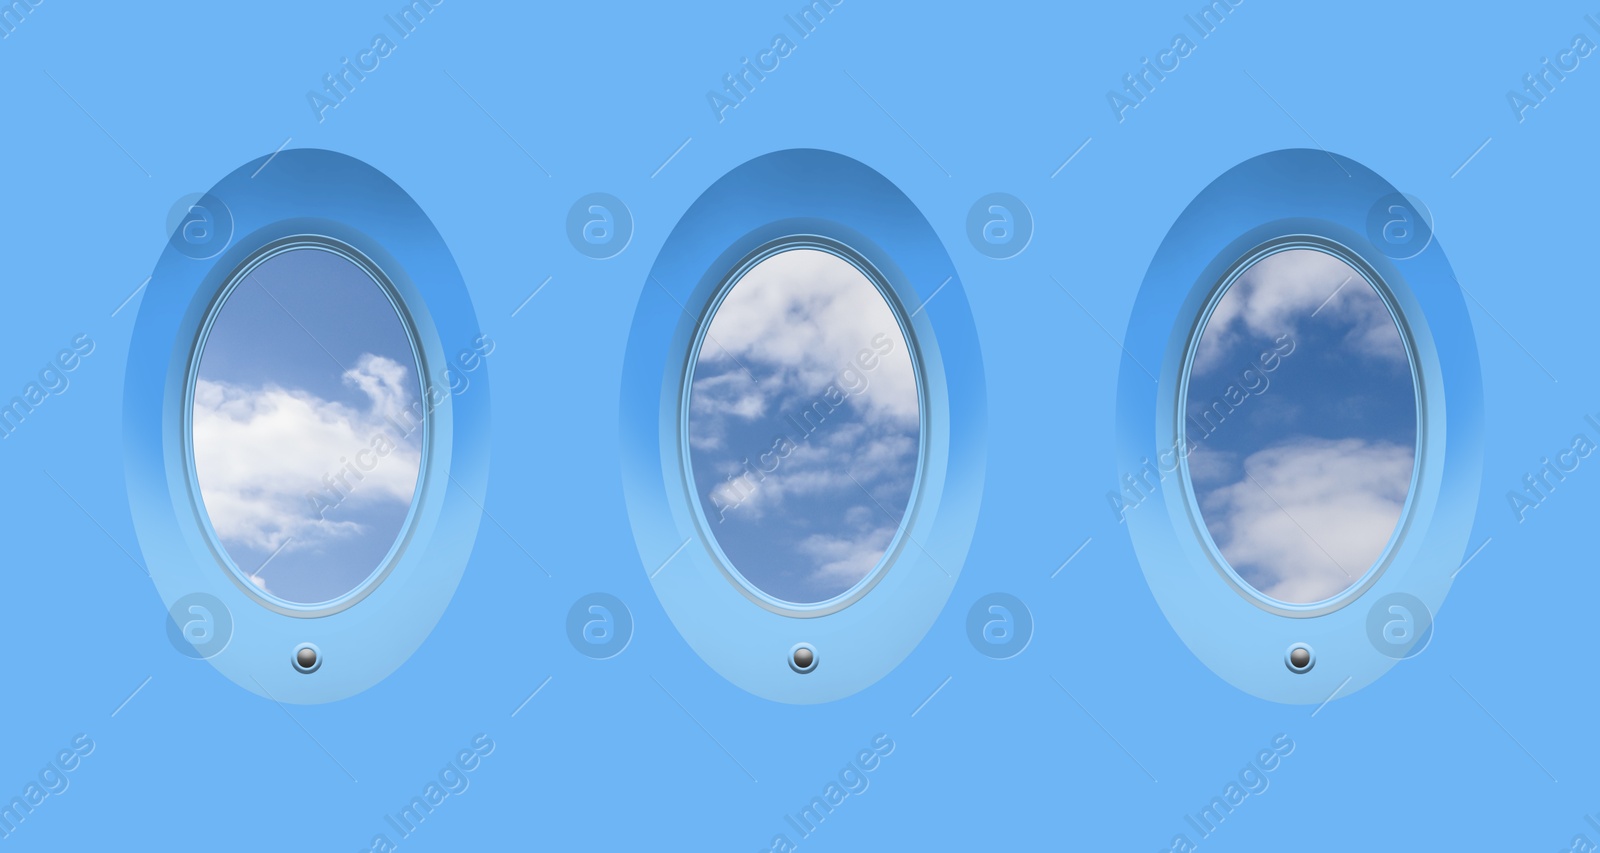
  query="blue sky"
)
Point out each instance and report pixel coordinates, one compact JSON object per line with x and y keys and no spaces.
{"x":304,"y":362}
{"x":1301,"y":484}
{"x":804,"y":331}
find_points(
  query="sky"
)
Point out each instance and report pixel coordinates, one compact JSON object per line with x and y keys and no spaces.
{"x":804,"y":331}
{"x":304,"y":365}
{"x":1301,"y":484}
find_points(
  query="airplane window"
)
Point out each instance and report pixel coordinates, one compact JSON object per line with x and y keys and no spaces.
{"x":306,"y":424}
{"x":804,"y":425}
{"x":1300,"y":422}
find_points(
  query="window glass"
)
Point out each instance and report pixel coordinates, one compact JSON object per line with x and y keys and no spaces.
{"x":307,"y":425}
{"x":803,"y":425}
{"x":1301,"y":425}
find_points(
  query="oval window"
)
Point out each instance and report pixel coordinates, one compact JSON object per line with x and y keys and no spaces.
{"x":306,"y":424}
{"x":804,"y":423}
{"x":1300,"y":420}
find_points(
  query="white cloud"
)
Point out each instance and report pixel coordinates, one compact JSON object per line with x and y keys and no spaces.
{"x":716,"y":398}
{"x":800,"y":318}
{"x":1209,"y":466}
{"x":799,"y":322}
{"x":843,"y":560}
{"x":831,"y":462}
{"x":1304,"y":518}
{"x":261,"y":451}
{"x":1311,"y":515}
{"x":1279,"y":293}
{"x":849,"y":529}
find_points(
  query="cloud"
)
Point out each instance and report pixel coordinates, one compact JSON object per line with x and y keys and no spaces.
{"x":1279,"y":294}
{"x":837,"y":461}
{"x":1210,"y":467}
{"x":718,"y":398}
{"x":798,"y":322}
{"x":843,"y":560}
{"x":261,"y":451}
{"x":800,"y":318}
{"x":1311,"y":515}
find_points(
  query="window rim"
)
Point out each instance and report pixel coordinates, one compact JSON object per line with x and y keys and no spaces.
{"x":1191,"y":504}
{"x":702,"y":325}
{"x":193,"y":493}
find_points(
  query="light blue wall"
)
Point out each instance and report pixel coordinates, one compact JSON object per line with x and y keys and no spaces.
{"x":1104,"y":733}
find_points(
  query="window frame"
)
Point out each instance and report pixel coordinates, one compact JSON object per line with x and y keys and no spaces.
{"x":241,"y":272}
{"x":1276,"y":197}
{"x":1370,"y":574}
{"x":326,"y":194}
{"x":774,"y":197}
{"x":703,"y":322}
